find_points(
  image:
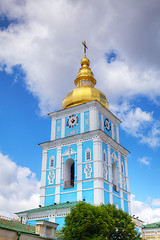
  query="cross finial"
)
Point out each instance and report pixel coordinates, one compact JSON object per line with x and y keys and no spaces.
{"x":85,"y":47}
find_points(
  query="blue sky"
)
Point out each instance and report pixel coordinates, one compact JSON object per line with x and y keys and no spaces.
{"x":39,"y":58}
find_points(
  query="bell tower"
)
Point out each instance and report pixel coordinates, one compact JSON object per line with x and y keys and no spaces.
{"x":84,"y":159}
{"x":89,"y":162}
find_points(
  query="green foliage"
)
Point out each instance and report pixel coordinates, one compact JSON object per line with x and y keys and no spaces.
{"x":98,"y":223}
{"x":59,"y":234}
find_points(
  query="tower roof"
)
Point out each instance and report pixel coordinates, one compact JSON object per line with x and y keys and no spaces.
{"x":85,"y":90}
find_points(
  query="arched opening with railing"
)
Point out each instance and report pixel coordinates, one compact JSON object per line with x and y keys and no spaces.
{"x":69,"y":173}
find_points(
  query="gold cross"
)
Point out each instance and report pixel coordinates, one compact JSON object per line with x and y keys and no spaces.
{"x":85,"y":47}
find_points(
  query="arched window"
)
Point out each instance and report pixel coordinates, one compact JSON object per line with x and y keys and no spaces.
{"x":104,"y":156}
{"x":88,"y":155}
{"x":69,"y":173}
{"x":114,"y":177}
{"x":51,"y":162}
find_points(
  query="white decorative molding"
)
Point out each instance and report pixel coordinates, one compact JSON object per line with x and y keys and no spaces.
{"x":69,"y":152}
{"x":51,"y":177}
{"x":88,"y":170}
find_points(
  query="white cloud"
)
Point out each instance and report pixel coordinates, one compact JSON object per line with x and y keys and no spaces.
{"x":144,"y":210}
{"x":19,"y":188}
{"x":138,"y":123}
{"x":156,"y":202}
{"x":46,"y":43}
{"x":144,"y":160}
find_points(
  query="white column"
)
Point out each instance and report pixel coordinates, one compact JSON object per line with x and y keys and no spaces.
{"x":129,"y":204}
{"x":102,"y":122}
{"x":122,"y":200}
{"x":93,"y":118}
{"x":63,"y":128}
{"x":126,"y":168}
{"x":58,"y":175}
{"x":42,"y":196}
{"x":82,"y":122}
{"x":120,"y":173}
{"x":120,"y":178}
{"x":44,"y":166}
{"x":79,"y":171}
{"x":53,"y":128}
{"x":112,"y":127}
{"x":110,"y":175}
{"x":127,"y":180}
{"x":98,"y":172}
{"x":43,"y":177}
{"x":117,"y":128}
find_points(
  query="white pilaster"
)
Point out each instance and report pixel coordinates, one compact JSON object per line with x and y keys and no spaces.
{"x":79,"y":171}
{"x":117,"y":129}
{"x":120,"y":173}
{"x":42,"y":196}
{"x":53,"y":128}
{"x":82,"y":122}
{"x":98,"y":172}
{"x":63,"y":128}
{"x":110,"y":175}
{"x":126,"y":168}
{"x":122,"y":201}
{"x":58,"y":175}
{"x":102,"y":122}
{"x":112,"y":127}
{"x":93,"y":119}
{"x":44,"y":166}
{"x":129,"y":204}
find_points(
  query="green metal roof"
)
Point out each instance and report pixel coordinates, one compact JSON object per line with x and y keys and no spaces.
{"x":17,"y":226}
{"x":152,"y":225}
{"x":50,"y":207}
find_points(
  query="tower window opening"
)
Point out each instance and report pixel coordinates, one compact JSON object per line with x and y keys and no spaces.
{"x":104,"y":156}
{"x":114,"y":177}
{"x":122,"y":168}
{"x":85,"y":82}
{"x":51,"y":163}
{"x":69,"y":173}
{"x":88,"y":155}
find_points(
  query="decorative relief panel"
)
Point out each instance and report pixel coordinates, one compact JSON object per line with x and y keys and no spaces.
{"x":88,"y":170}
{"x":51,"y":177}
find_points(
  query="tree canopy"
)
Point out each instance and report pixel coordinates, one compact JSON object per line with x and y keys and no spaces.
{"x":86,"y":221}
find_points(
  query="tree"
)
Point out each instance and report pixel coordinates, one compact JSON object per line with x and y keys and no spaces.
{"x":86,"y":221}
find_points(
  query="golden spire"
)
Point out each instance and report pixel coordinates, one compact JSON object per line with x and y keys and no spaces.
{"x":85,"y":90}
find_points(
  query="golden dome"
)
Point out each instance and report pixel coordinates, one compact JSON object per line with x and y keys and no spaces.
{"x":85,"y":90}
